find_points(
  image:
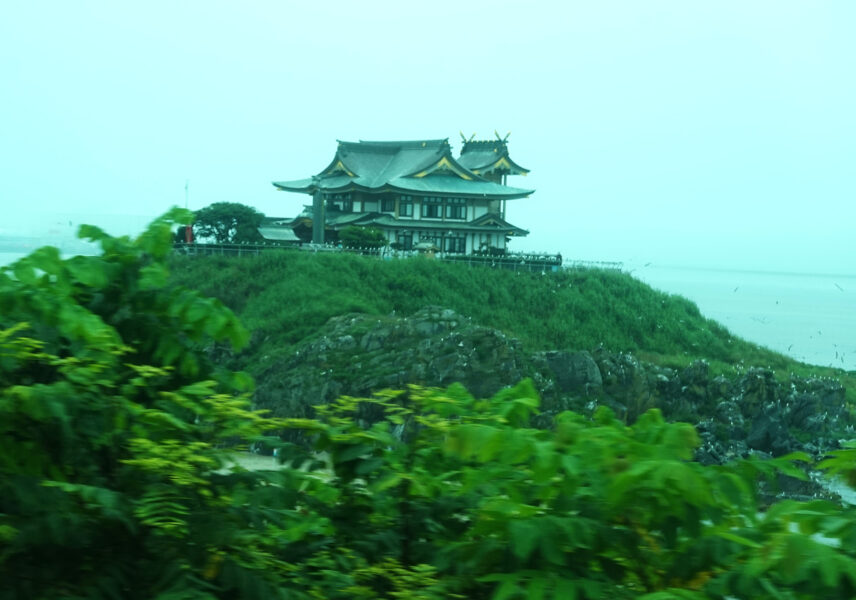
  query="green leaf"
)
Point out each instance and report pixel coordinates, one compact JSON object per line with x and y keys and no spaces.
{"x":243,"y":382}
{"x":537,"y":587}
{"x":523,"y":536}
{"x":200,"y":388}
{"x":566,"y":589}
{"x":351,"y":452}
{"x":675,"y":594}
{"x":92,"y":233}
{"x":90,"y":271}
{"x":153,"y":277}
{"x":387,"y":482}
{"x":24,"y":272}
{"x":47,"y":259}
{"x":728,"y":535}
{"x":507,"y":589}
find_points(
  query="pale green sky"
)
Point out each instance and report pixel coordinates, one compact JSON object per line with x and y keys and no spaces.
{"x":675,"y":131}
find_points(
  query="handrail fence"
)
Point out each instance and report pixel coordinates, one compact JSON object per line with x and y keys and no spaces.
{"x":516,"y":261}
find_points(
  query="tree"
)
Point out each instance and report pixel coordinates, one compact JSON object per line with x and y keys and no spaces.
{"x":115,"y":431}
{"x":228,"y":223}
{"x":362,"y":237}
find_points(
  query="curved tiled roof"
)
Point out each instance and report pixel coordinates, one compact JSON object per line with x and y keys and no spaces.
{"x":486,"y":223}
{"x":418,"y":166}
{"x":483,"y":156}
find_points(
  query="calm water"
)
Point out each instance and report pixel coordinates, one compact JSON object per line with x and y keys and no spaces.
{"x":809,"y":317}
{"x":10,"y":253}
{"x":10,"y":257}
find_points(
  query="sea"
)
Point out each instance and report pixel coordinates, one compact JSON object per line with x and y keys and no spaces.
{"x":21,"y":233}
{"x":809,"y":317}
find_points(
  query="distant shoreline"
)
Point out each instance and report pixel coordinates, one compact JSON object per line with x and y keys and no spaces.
{"x":13,"y":248}
{"x":749,"y":271}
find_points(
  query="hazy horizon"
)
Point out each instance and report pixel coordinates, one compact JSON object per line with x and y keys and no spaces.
{"x":51,"y":227}
{"x":715,"y":135}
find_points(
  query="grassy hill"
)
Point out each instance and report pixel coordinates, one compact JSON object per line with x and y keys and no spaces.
{"x":287,"y":295}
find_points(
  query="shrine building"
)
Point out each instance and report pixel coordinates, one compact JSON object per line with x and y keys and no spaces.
{"x":416,"y":192}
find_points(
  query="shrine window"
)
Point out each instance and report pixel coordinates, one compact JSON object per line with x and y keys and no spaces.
{"x":456,"y":208}
{"x":405,"y":240}
{"x":342,"y":202}
{"x":456,"y":244}
{"x":432,"y":207}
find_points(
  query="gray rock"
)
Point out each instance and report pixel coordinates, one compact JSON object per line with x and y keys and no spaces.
{"x":358,"y":354}
{"x":757,"y":390}
{"x":768,"y":433}
{"x":697,"y":374}
{"x":573,"y":372}
{"x":729,"y":415}
{"x":434,"y":347}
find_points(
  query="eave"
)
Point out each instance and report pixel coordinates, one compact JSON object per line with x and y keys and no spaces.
{"x":503,"y":164}
{"x":423,"y":186}
{"x":484,"y":224}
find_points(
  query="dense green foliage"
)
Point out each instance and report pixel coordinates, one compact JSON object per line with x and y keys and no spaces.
{"x":112,"y":428}
{"x":362,"y":237}
{"x":117,"y":438}
{"x":289,"y":294}
{"x":464,"y":493}
{"x":228,"y":223}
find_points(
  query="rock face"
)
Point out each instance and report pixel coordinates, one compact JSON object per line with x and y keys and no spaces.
{"x":357,"y":354}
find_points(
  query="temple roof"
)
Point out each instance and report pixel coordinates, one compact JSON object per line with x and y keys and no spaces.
{"x":489,"y":156}
{"x":419,"y":166}
{"x":278,"y":233}
{"x":486,"y":223}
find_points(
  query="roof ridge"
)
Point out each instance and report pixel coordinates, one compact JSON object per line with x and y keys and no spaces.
{"x":401,"y":143}
{"x":485,"y":143}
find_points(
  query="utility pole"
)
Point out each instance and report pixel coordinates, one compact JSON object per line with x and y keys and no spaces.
{"x":188,"y":229}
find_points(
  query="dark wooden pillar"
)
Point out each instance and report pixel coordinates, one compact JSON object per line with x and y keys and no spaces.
{"x":317,"y":212}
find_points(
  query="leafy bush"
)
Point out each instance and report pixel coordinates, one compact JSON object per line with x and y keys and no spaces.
{"x":462,"y":492}
{"x":114,"y":429}
{"x":117,"y":441}
{"x":362,"y":237}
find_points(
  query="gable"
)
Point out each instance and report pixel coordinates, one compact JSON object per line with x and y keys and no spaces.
{"x":444,"y":166}
{"x":338,"y":168}
{"x":489,"y":220}
{"x":501,"y":164}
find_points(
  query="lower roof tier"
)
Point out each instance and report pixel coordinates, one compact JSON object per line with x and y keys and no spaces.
{"x":485,"y":223}
{"x":445,"y":185}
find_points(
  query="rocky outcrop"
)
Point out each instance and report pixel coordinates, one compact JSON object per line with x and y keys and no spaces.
{"x":359,"y":354}
{"x":752,"y":412}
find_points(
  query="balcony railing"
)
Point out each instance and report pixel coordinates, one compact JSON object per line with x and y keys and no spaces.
{"x":516,"y":261}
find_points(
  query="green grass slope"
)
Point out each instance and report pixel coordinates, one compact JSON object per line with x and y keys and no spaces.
{"x":287,"y":295}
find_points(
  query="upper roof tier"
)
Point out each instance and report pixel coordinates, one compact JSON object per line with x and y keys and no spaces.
{"x":419,"y":167}
{"x":489,"y":156}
